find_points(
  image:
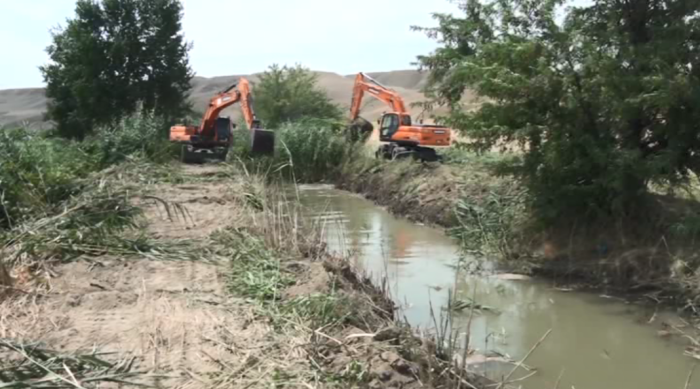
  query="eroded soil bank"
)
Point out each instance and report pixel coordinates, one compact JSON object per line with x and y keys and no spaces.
{"x":596,"y":340}
{"x":651,"y":256}
{"x":222,"y":286}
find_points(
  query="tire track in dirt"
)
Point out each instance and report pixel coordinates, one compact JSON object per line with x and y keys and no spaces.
{"x":174,"y":317}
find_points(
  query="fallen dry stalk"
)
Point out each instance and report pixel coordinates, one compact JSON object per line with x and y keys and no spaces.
{"x":515,"y":368}
{"x":29,"y":366}
{"x":561,"y":375}
{"x":690,"y":377}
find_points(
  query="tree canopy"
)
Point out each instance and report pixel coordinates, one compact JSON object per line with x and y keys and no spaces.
{"x":288,"y":94}
{"x":114,"y":57}
{"x":603,"y":99}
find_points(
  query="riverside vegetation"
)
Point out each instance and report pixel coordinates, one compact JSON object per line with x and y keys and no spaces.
{"x":122,"y":266}
{"x":600,"y":109}
{"x":118,"y":198}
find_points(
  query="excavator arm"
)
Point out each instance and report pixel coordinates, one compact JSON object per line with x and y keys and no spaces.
{"x":238,"y":92}
{"x":247,"y":104}
{"x":397,"y":129}
{"x":366,"y":84}
{"x":214,"y":134}
{"x":217,"y":104}
{"x":261,"y":141}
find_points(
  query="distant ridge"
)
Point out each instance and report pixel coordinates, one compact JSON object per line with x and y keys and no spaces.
{"x":18,"y":106}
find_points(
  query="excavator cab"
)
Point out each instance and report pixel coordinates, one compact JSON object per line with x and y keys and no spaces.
{"x":389,"y":126}
{"x":396,"y":128}
{"x":213,"y":137}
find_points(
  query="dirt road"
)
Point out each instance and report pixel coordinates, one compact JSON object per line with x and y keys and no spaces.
{"x":246,"y":296}
{"x":175,"y":318}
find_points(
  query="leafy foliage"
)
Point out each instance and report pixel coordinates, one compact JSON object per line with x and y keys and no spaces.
{"x":113,"y":57}
{"x":602,"y":103}
{"x":309,"y":150}
{"x":36,"y":172}
{"x":492,"y":224}
{"x":314,"y":151}
{"x":287,"y":94}
{"x":136,"y":135}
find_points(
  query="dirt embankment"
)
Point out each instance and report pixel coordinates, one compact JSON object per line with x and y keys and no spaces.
{"x":427,"y":193}
{"x":652,"y":255}
{"x":245,"y":300}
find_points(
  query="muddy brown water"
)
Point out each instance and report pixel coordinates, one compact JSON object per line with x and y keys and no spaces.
{"x":597,"y":341}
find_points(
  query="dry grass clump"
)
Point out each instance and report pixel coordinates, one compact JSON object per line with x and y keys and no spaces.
{"x":100,"y":220}
{"x":34,"y":366}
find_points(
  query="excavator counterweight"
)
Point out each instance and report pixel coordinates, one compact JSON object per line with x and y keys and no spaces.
{"x":213,"y":137}
{"x":402,"y":137}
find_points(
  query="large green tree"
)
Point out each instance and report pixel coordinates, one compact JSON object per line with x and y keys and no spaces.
{"x":114,"y":57}
{"x":287,"y":94}
{"x":604,"y":98}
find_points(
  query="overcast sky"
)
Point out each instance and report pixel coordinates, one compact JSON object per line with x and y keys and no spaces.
{"x":245,"y":36}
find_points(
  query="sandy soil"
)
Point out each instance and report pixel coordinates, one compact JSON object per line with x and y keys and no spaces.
{"x":175,"y":318}
{"x":179,"y":324}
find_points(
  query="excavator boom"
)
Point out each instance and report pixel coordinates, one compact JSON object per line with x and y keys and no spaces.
{"x":217,"y":104}
{"x":365,"y":83}
{"x":404,"y":138}
{"x":214,"y":134}
{"x":247,"y":104}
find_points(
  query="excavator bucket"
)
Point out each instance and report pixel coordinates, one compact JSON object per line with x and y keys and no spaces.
{"x":262,"y":142}
{"x":360,"y":130}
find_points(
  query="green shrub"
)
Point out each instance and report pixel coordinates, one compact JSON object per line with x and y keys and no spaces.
{"x":141,"y":134}
{"x":37,"y":172}
{"x":599,"y":97}
{"x":314,"y":152}
{"x":288,"y":94}
{"x":493,"y":223}
{"x":306,"y":151}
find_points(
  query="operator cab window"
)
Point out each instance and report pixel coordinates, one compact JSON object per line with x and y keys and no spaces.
{"x":390,"y":124}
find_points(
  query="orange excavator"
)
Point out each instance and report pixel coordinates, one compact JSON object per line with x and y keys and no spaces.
{"x":405,"y":139}
{"x":213,"y":137}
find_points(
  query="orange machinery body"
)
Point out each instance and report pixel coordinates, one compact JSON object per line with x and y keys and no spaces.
{"x":215,"y":133}
{"x":207,"y":133}
{"x":397,"y":126}
{"x":182,"y":133}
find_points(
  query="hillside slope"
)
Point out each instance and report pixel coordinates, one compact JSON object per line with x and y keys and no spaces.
{"x":27,"y":106}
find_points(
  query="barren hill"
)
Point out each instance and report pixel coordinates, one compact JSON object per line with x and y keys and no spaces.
{"x":18,"y":106}
{"x":339,"y":89}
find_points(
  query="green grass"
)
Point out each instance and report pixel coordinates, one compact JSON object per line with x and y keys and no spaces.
{"x":306,"y":151}
{"x":321,"y":309}
{"x":31,"y":366}
{"x":38,"y":172}
{"x":255,"y":270}
{"x":100,"y":219}
{"x":493,"y":221}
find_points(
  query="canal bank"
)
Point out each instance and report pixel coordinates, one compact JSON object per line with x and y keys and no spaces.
{"x":596,"y":340}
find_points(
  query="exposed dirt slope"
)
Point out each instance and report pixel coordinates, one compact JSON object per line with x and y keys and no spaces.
{"x":427,"y":193}
{"x":176,"y":318}
{"x":186,"y":324}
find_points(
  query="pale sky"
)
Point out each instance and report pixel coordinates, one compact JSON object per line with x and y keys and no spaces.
{"x":245,"y":36}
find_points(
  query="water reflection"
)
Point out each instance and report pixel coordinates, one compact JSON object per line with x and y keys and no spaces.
{"x":599,"y":343}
